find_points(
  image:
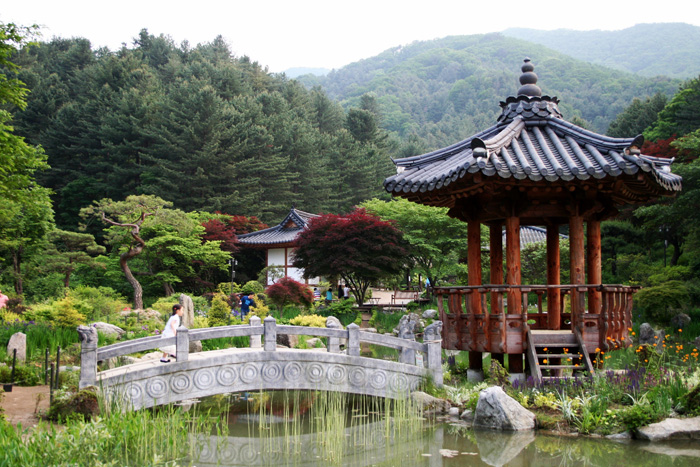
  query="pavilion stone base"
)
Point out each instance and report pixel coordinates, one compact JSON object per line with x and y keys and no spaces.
{"x":475,"y":376}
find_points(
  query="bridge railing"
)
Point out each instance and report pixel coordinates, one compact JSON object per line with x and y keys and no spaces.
{"x":407,"y":346}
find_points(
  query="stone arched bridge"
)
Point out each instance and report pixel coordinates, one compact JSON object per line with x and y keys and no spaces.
{"x":261,"y":366}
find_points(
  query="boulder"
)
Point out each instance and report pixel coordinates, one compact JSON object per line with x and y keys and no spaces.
{"x":312,"y":341}
{"x":188,"y":314}
{"x":453,"y":412}
{"x":195,"y":346}
{"x":496,"y":410}
{"x":671,"y":429}
{"x":108,"y":329}
{"x":430,"y":314}
{"x":680,"y":321}
{"x":409,"y":323}
{"x":648,"y":336}
{"x":430,"y":404}
{"x":467,"y":415}
{"x":18,"y":341}
{"x":288,"y":340}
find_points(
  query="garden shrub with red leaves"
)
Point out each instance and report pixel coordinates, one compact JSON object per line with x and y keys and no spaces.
{"x":287,"y":291}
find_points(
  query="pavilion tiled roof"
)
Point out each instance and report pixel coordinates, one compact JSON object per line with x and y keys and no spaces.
{"x":531,"y":141}
{"x":285,"y":232}
{"x":531,"y":234}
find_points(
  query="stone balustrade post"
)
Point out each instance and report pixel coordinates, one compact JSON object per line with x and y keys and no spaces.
{"x":88,"y":356}
{"x":435,"y":361}
{"x":408,"y":355}
{"x":353,"y":340}
{"x":255,"y":340}
{"x":270,"y":334}
{"x":333,"y":345}
{"x":182,"y":344}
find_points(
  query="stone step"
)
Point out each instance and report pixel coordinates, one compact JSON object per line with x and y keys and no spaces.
{"x":559,"y":355}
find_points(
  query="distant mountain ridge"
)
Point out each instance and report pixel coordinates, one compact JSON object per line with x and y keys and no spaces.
{"x":299,"y":71}
{"x":444,"y":90}
{"x":651,"y":49}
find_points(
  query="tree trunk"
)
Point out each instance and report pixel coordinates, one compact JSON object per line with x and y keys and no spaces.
{"x":17,"y":269}
{"x":168,"y":287}
{"x":138,"y":290}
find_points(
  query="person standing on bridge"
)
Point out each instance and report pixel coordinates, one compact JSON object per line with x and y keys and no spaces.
{"x":171,"y":331}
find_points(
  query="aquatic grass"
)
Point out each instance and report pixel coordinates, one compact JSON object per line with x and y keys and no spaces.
{"x":147,"y":437}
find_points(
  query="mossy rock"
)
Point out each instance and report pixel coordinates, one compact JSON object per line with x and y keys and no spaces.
{"x":83,"y":405}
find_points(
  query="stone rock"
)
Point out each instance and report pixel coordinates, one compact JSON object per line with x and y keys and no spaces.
{"x":430,"y":314}
{"x":680,"y":321}
{"x":122,"y":360}
{"x":333,"y":322}
{"x":188,"y":314}
{"x":84,"y":403}
{"x":312,"y":341}
{"x":620,"y":436}
{"x":195,"y":346}
{"x":433,"y":332}
{"x":496,"y":410}
{"x":453,"y":412}
{"x":430,"y":404}
{"x":108,"y":329}
{"x":372,"y":330}
{"x":500,"y":448}
{"x":288,"y":340}
{"x":646,"y":334}
{"x":18,"y":341}
{"x":467,"y":415}
{"x":671,"y":429}
{"x":409,"y":324}
{"x":696,"y":342}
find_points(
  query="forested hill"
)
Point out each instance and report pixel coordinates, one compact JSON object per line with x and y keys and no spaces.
{"x":447,"y":89}
{"x":195,"y":126}
{"x":670,"y":49}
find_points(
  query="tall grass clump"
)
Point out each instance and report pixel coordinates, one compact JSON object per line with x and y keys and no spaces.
{"x":159,"y":437}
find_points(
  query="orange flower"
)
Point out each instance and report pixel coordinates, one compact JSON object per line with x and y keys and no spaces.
{"x":544,"y":361}
{"x":680,"y":330}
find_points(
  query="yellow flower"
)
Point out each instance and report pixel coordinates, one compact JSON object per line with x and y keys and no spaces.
{"x":544,"y":361}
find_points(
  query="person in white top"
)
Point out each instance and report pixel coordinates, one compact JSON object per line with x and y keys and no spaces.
{"x":171,"y":331}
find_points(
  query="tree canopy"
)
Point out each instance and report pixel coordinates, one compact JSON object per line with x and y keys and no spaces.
{"x":359,"y":247}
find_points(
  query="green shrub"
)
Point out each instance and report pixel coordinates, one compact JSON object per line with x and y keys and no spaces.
{"x":251,"y":287}
{"x":66,"y":314}
{"x":219,"y":312}
{"x":660,"y":303}
{"x":165,"y":305}
{"x":314,"y":321}
{"x":638,"y":415}
{"x":82,"y":405}
{"x":97,"y":302}
{"x":24,"y":375}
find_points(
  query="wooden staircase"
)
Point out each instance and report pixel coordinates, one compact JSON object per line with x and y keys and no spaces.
{"x":556,"y":354}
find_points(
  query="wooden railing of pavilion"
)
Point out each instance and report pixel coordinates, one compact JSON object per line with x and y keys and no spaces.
{"x":485,"y":325}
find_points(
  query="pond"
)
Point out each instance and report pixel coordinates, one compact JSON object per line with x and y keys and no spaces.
{"x":320,"y":430}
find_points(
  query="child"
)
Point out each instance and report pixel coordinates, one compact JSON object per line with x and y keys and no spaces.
{"x":171,"y":331}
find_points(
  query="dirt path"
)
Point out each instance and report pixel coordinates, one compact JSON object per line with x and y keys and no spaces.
{"x":20,"y":405}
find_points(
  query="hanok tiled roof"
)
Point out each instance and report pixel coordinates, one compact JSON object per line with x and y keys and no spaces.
{"x":531,"y":141}
{"x":532,"y":234}
{"x":285,"y":232}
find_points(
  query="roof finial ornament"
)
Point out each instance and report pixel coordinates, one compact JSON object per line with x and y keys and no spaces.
{"x":529,"y":80}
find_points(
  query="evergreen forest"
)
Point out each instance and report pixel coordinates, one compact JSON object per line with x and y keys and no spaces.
{"x":190,"y":145}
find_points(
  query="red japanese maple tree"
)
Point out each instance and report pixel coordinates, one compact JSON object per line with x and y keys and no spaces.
{"x":288,"y":291}
{"x":359,"y":247}
{"x":228,"y":227}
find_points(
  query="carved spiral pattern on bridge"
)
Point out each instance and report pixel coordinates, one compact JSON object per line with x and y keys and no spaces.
{"x":180,"y":383}
{"x":249,"y":373}
{"x":204,"y":378}
{"x":314,"y":372}
{"x":157,"y":387}
{"x":271,"y":372}
{"x":226,"y":375}
{"x":293,"y":371}
{"x":358,"y":377}
{"x":378,"y":379}
{"x":337,"y":374}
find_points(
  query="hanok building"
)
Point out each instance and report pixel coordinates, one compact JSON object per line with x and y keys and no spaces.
{"x":535,"y":168}
{"x":279,"y":243}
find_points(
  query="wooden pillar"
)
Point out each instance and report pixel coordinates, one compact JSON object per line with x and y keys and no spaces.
{"x":515,"y":363}
{"x":595,"y":265}
{"x":578,"y":273}
{"x":474,"y":270}
{"x":553,"y":278}
{"x":513,"y":263}
{"x":496,"y":263}
{"x":474,"y":262}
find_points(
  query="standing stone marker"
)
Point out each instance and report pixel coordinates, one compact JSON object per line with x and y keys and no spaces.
{"x":188,"y":315}
{"x":18,"y":341}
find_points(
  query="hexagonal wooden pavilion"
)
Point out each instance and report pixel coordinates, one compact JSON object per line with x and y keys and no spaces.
{"x":535,"y":168}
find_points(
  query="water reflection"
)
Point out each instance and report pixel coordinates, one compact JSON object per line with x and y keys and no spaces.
{"x":267,"y":438}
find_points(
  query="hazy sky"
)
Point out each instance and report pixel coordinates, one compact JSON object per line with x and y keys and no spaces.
{"x":327,"y":34}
